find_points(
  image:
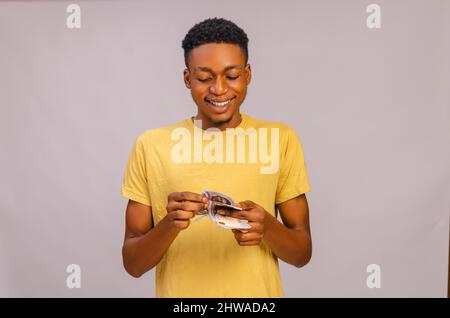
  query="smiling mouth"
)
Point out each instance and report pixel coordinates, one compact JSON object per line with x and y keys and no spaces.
{"x":219,"y":103}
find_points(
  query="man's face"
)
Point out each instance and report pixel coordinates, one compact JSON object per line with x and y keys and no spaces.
{"x":218,"y":77}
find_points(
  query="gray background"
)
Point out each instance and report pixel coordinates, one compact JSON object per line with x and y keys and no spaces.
{"x":371,"y":108}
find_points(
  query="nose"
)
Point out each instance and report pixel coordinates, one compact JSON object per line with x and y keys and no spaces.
{"x":219,"y":87}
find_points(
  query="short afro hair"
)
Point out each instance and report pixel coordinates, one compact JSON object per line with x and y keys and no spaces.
{"x":214,"y":30}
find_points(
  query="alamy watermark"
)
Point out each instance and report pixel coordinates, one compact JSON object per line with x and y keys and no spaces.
{"x":373,"y":20}
{"x":190,"y":149}
{"x":73,"y":21}
{"x":74,"y":278}
{"x":374,"y":279}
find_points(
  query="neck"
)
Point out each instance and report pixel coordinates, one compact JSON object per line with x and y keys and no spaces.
{"x":234,"y":121}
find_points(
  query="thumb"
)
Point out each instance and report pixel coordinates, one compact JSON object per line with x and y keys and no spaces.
{"x":246,"y":205}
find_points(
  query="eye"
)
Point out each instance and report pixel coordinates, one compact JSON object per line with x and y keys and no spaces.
{"x":204,"y":79}
{"x":232,"y":77}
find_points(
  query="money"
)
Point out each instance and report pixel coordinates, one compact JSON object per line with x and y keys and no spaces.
{"x":219,"y":200}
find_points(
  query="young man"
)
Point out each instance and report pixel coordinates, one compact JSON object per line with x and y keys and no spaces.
{"x":170,"y":167}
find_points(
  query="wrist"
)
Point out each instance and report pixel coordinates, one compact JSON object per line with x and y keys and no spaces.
{"x":269,"y":222}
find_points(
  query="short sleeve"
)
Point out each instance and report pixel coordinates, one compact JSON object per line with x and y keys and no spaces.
{"x":135,"y":181}
{"x":293,"y":179}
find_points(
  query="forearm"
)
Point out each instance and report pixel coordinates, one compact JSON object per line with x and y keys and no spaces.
{"x":291,"y":245}
{"x":142,"y":253}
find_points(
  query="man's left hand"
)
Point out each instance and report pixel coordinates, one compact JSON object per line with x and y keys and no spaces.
{"x":257,"y":218}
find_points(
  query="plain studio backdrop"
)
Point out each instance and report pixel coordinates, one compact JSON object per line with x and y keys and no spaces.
{"x":371,"y":107}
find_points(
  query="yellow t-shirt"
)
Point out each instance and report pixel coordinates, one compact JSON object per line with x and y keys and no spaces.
{"x":205,"y":260}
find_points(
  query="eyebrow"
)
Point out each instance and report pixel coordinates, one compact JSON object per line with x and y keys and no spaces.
{"x":227,"y":68}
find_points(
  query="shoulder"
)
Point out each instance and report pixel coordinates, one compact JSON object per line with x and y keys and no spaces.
{"x":285,"y":131}
{"x":159,"y":135}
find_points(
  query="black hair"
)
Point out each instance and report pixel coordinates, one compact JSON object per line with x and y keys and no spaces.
{"x":214,"y":30}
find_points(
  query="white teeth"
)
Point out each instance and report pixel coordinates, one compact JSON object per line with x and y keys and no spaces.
{"x":221,"y":104}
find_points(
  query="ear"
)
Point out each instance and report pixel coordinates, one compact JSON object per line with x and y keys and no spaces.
{"x":186,"y":77}
{"x":248,"y":73}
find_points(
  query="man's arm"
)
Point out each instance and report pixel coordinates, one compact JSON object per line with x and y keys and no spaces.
{"x":290,"y":241}
{"x":144,"y":244}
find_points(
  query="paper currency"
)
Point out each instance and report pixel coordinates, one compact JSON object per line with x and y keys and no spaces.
{"x":217,"y":200}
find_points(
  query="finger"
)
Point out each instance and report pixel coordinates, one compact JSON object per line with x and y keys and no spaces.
{"x":187,"y":196}
{"x":181,"y":224}
{"x":237,"y":231}
{"x":255,"y":226}
{"x":250,"y":243}
{"x":249,"y":215}
{"x":251,"y":236}
{"x":237,"y":235}
{"x":247,"y":205}
{"x":244,"y":237}
{"x":232,"y":213}
{"x":182,"y":215}
{"x":187,"y":206}
{"x":226,"y":211}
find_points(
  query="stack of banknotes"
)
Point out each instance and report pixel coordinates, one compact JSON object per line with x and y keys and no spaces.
{"x":218,"y":200}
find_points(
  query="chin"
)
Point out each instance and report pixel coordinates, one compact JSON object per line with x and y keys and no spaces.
{"x":217,"y":118}
{"x":221,"y":119}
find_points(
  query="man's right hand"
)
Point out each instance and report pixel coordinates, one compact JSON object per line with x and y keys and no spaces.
{"x":182,"y":206}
